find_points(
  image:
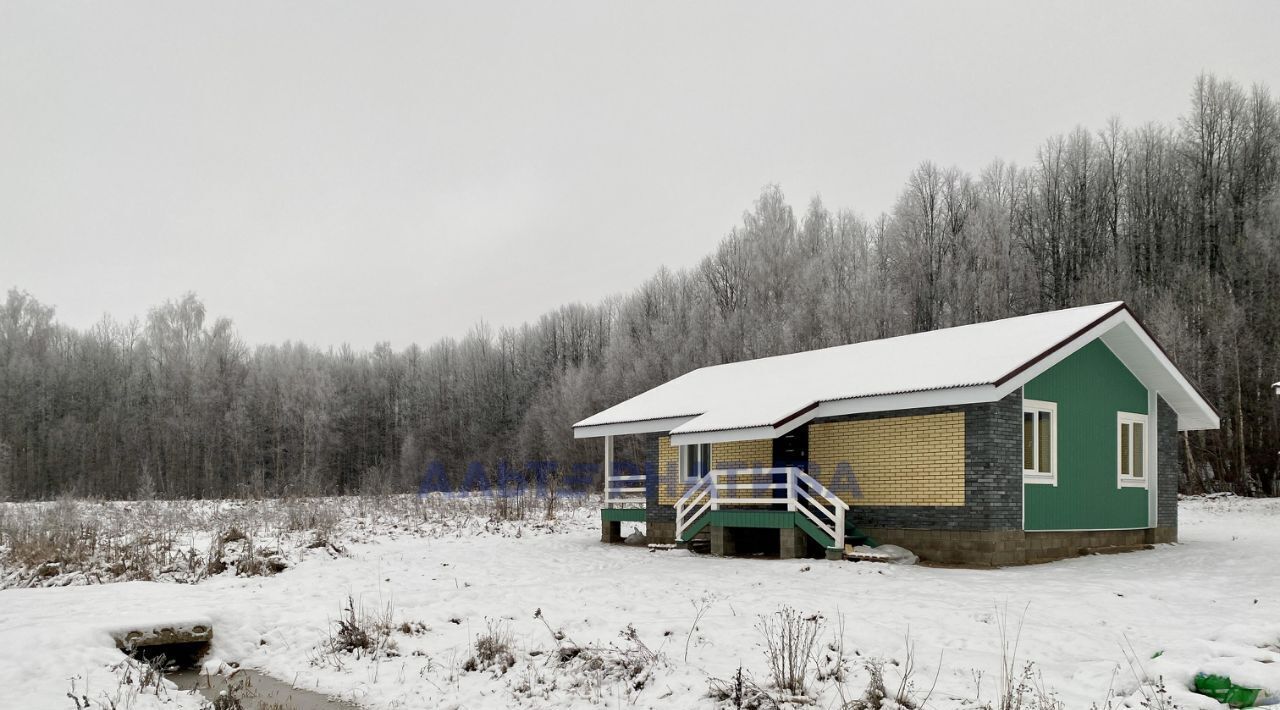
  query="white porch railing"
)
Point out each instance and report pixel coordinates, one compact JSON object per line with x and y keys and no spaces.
{"x":620,"y":490}
{"x":623,"y":490}
{"x":804,"y":494}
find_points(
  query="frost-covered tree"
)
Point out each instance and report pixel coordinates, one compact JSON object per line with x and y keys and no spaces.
{"x":1182,"y":220}
{"x":6,"y":470}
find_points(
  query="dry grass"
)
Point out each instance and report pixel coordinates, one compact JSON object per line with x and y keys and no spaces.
{"x":68,"y":542}
{"x":135,"y":678}
{"x":741,"y":692}
{"x":600,"y":673}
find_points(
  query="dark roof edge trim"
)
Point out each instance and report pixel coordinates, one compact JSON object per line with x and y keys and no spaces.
{"x":792,"y":416}
{"x":1061,"y":344}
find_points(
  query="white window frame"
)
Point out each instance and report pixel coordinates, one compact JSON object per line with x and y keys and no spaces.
{"x":1033,"y":475}
{"x":685,"y":461}
{"x":1131,"y":481}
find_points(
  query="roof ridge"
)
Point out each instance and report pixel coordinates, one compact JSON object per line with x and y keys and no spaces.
{"x":1116,"y":305}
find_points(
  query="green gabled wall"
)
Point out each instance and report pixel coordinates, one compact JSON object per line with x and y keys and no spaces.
{"x":1089,"y":387}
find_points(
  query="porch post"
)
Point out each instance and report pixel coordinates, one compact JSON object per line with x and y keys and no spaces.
{"x":611,"y":530}
{"x":608,"y":468}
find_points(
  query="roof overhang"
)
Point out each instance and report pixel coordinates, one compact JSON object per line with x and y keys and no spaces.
{"x":842,"y":407}
{"x":641,"y":426}
{"x":1151,"y":365}
{"x":1127,"y":338}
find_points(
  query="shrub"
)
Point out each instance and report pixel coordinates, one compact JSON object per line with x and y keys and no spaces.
{"x":741,"y":692}
{"x":233,"y":549}
{"x":789,"y":638}
{"x":493,"y":650}
{"x":632,"y":664}
{"x":358,"y":633}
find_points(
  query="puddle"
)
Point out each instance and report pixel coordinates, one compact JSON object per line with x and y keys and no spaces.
{"x":254,"y":691}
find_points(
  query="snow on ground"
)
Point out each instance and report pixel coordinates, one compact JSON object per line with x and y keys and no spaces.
{"x":1207,"y":604}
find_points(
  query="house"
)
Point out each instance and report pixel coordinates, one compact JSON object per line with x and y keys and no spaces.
{"x":1006,"y":442}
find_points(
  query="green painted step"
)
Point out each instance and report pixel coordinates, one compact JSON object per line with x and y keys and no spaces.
{"x":697,"y":527}
{"x":856,"y":537}
{"x":776,"y":519}
{"x":805,"y":524}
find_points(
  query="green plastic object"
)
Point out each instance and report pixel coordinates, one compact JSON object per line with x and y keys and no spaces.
{"x":1220,"y":688}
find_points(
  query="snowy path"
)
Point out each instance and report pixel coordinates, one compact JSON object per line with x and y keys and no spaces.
{"x":1209,"y":604}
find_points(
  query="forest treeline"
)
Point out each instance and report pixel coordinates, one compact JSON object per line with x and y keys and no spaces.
{"x":1180,"y":219}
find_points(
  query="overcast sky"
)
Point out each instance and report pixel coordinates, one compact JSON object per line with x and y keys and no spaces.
{"x":364,"y":171}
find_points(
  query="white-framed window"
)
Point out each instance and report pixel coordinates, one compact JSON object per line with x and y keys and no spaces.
{"x":695,"y":461}
{"x":1131,"y":450}
{"x":1039,"y":442}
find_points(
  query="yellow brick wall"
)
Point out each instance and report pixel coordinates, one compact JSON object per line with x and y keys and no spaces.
{"x":742,"y":457}
{"x":757,"y":453}
{"x":726,"y":455}
{"x":669,"y":486}
{"x":917,"y":460}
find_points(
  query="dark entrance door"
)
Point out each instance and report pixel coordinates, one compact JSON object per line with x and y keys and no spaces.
{"x":790,"y":450}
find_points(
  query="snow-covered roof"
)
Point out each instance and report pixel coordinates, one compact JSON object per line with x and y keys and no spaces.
{"x":767,"y":397}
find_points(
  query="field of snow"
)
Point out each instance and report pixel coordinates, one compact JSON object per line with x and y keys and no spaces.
{"x":651,"y":628}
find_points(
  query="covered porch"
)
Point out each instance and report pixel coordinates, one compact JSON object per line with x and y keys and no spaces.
{"x":732,"y":506}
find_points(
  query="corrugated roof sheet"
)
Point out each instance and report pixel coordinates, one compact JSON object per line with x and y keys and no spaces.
{"x":762,"y":392}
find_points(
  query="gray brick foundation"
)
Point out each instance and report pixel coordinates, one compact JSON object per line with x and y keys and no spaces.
{"x":610,"y":531}
{"x":722,"y":541}
{"x":792,"y":543}
{"x":982,"y":548}
{"x":998,"y":548}
{"x":659,"y":521}
{"x":1049,"y":546}
{"x":1162,"y":534}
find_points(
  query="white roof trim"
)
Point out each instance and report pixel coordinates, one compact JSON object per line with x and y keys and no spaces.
{"x":1160,"y":375}
{"x":768,"y":431}
{"x":644,"y":426}
{"x":715,"y":437}
{"x":908,"y":400}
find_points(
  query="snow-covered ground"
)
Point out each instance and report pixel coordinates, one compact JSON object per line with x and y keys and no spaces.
{"x":1206,"y":604}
